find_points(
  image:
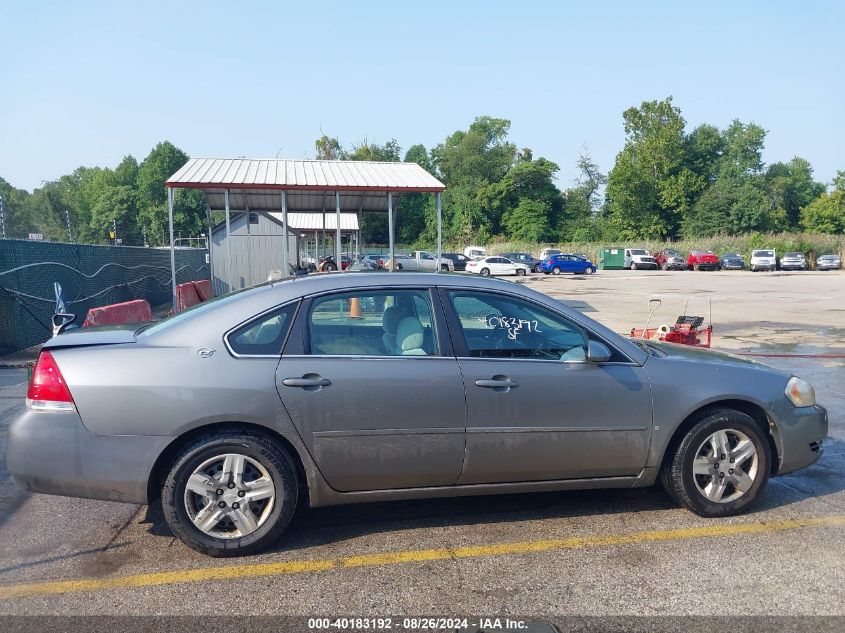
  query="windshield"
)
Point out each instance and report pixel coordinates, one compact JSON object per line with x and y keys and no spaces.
{"x":763,"y":253}
{"x":638,"y":251}
{"x":794,"y":255}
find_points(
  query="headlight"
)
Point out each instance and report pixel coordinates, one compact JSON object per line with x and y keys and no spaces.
{"x":800,"y":392}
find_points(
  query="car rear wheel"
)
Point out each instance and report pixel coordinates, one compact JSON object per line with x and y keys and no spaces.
{"x":230,"y":493}
{"x":520,"y":272}
{"x":720,"y":466}
{"x":485,"y":272}
{"x":555,"y":270}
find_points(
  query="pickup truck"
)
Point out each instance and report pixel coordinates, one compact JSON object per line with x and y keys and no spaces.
{"x":670,"y":259}
{"x":420,"y":261}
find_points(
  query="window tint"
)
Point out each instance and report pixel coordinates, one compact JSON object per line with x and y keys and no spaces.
{"x":263,"y":336}
{"x":373,"y":323}
{"x":496,"y":326}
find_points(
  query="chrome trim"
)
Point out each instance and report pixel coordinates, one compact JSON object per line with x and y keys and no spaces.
{"x":552,"y":429}
{"x":549,"y":360}
{"x":371,"y":432}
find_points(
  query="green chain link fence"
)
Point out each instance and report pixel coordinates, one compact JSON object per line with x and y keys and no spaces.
{"x":90,"y":276}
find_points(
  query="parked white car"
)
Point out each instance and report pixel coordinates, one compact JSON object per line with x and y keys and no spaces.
{"x":548,"y":252}
{"x":763,"y":259}
{"x":497,"y":265}
{"x":475,"y":252}
{"x":638,"y":258}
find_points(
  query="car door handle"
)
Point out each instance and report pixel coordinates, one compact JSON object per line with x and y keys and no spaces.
{"x":499,"y":383}
{"x":307,"y":381}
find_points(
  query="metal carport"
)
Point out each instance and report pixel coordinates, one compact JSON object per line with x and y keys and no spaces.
{"x":282,"y":185}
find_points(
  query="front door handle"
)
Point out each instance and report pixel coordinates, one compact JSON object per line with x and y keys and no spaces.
{"x":309,"y":382}
{"x":497,"y":383}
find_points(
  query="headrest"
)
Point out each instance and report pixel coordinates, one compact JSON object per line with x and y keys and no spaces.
{"x":390,"y":319}
{"x":409,"y":334}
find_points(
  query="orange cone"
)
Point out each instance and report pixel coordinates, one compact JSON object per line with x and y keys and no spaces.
{"x":355,"y":308}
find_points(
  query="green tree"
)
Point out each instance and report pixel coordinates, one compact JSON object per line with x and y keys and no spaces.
{"x":650,"y":187}
{"x":328,"y":148}
{"x":529,"y":220}
{"x":478,"y":156}
{"x":791,"y":188}
{"x":826,"y":214}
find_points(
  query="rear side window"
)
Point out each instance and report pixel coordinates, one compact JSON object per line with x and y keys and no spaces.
{"x":263,"y":336}
{"x":373,"y":323}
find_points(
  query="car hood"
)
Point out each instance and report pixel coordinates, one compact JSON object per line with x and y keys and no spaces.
{"x":702,"y":355}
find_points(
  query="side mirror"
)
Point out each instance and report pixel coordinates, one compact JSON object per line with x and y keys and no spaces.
{"x":597,"y":352}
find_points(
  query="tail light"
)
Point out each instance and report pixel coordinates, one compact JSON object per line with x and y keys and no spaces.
{"x":48,"y":390}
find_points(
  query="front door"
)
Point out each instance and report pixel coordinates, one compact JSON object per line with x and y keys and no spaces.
{"x":368,"y":382}
{"x":536,"y":408}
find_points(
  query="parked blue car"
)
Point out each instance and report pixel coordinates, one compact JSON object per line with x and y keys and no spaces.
{"x":565,"y":263}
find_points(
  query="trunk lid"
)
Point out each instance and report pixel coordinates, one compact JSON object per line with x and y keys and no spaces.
{"x":103,"y":335}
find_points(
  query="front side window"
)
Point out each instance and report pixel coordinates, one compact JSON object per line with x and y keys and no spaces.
{"x":373,"y":323}
{"x":498,"y":326}
{"x":263,"y":336}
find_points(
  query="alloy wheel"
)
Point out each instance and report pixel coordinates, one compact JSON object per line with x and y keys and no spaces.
{"x":229,"y":496}
{"x":725,"y":466}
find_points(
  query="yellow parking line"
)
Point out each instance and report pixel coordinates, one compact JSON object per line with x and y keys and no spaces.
{"x":233,"y":572}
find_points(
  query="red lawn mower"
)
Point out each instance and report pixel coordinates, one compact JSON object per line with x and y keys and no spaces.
{"x":687,"y":330}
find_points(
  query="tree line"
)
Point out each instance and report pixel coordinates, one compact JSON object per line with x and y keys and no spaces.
{"x":667,"y":183}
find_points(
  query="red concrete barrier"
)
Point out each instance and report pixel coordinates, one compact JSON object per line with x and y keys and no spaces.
{"x":204,"y":289}
{"x":186,"y":296}
{"x":137,"y":311}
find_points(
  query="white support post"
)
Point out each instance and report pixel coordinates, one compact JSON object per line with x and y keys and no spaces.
{"x":229,"y":274}
{"x":337,"y":244}
{"x":208,"y":245}
{"x":390,"y":230}
{"x":285,"y":256}
{"x":439,"y":231}
{"x":172,"y":246}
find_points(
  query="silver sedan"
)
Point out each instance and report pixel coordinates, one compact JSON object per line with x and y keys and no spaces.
{"x":349,"y":388}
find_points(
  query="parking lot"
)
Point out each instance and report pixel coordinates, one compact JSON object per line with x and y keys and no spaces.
{"x":615,"y":552}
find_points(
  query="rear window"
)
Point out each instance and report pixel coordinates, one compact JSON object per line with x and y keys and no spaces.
{"x":263,"y":336}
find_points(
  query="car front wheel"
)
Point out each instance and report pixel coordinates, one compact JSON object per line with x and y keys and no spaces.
{"x":230,"y":493}
{"x":720,"y":466}
{"x":520,"y":272}
{"x":588,"y":271}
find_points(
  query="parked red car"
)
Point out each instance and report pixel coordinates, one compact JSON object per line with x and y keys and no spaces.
{"x":703,"y":260}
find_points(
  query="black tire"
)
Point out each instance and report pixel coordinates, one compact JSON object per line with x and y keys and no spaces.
{"x":444,"y":268}
{"x":588,"y":271}
{"x":633,"y":266}
{"x":520,"y":272}
{"x":677,"y":475}
{"x":485,"y":272}
{"x":555,"y":270}
{"x":537,"y":268}
{"x":259,"y":447}
{"x":329,"y":267}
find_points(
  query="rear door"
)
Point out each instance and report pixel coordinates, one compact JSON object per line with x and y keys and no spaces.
{"x":370,"y":381}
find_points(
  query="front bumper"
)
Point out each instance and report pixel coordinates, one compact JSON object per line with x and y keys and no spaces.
{"x":53,"y":453}
{"x":733,"y":266}
{"x":800,"y":433}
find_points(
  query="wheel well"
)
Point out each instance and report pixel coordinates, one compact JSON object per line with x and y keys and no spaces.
{"x":165,"y":460}
{"x":749,"y":408}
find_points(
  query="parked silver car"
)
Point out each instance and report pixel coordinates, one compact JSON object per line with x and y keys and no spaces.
{"x":346,"y":388}
{"x":793,"y":261}
{"x":828,"y":262}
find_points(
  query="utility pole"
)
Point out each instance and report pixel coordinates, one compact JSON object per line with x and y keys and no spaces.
{"x":69,"y":232}
{"x":2,"y":217}
{"x":114,"y":230}
{"x":144,"y":231}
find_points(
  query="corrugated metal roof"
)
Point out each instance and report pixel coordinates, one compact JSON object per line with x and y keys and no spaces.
{"x":332,"y":175}
{"x":314,"y":221}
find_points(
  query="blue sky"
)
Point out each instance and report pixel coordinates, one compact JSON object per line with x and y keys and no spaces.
{"x":84,"y":83}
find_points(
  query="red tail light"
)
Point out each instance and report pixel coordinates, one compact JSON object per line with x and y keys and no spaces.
{"x":47,"y":388}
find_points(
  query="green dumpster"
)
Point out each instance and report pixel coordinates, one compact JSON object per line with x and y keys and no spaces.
{"x":612,"y":258}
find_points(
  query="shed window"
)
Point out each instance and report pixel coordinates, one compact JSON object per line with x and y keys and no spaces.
{"x":253,"y":218}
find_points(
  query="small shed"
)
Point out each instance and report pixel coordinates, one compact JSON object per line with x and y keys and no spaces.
{"x":252,"y":248}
